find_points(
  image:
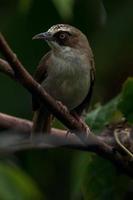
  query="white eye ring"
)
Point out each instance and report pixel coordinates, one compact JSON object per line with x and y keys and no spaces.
{"x":62,"y":36}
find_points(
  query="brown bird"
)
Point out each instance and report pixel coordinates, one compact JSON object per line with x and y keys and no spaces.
{"x":66,"y":72}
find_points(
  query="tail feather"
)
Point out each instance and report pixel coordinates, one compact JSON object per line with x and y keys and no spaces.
{"x":42,"y":121}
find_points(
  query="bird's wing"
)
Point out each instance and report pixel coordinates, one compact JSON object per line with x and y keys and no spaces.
{"x":39,"y":75}
{"x":85,"y":104}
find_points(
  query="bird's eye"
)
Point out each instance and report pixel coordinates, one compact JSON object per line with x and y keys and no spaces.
{"x":62,"y":36}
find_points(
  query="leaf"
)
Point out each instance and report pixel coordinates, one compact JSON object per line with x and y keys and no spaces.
{"x":14,"y":184}
{"x":102,"y":115}
{"x":126,"y":100}
{"x":96,"y":178}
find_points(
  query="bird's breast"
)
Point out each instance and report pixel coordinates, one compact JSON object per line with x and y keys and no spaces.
{"x":68,"y":81}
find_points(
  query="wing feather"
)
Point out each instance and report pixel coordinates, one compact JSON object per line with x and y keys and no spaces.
{"x":39,"y":75}
{"x":85,"y":104}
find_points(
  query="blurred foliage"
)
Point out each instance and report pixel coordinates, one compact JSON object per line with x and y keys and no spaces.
{"x":103,"y":115}
{"x":64,"y":174}
{"x":14,"y":184}
{"x":126,"y":101}
{"x":97,"y":179}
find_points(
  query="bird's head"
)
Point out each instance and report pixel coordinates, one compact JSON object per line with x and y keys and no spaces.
{"x":61,"y":36}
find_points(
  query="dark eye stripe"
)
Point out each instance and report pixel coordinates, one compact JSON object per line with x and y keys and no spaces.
{"x":56,"y":35}
{"x":62,"y":40}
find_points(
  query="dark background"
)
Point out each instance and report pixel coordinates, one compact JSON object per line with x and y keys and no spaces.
{"x":108,"y":25}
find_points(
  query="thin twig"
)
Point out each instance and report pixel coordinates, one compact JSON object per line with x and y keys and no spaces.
{"x":6,"y":68}
{"x":116,"y":135}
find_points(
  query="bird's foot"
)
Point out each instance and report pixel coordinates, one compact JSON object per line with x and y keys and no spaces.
{"x":83,"y":124}
{"x":85,"y":127}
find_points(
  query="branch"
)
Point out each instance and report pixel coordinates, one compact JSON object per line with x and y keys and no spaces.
{"x":21,"y":140}
{"x":23,"y":126}
{"x":8,"y":122}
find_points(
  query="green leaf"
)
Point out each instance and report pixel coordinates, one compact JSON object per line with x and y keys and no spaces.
{"x":14,"y":184}
{"x":102,"y":115}
{"x":126,"y":100}
{"x":96,"y":178}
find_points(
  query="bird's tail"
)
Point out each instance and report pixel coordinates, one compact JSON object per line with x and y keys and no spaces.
{"x":42,"y":121}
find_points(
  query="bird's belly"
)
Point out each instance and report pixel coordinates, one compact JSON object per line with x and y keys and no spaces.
{"x":70,"y":90}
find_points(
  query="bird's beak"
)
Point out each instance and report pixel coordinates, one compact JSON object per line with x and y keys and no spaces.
{"x":43,"y":36}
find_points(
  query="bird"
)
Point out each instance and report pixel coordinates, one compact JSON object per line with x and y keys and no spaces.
{"x":66,"y":72}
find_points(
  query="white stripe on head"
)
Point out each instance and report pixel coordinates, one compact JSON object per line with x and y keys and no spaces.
{"x":60,"y":27}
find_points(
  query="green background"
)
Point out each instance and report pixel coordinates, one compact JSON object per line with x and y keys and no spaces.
{"x":61,"y":173}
